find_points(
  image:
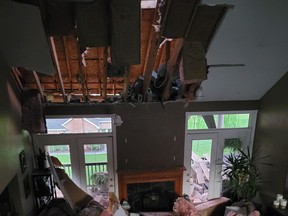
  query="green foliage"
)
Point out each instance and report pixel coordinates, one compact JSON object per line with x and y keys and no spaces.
{"x":242,"y":173}
{"x":233,"y":143}
{"x":100,"y":180}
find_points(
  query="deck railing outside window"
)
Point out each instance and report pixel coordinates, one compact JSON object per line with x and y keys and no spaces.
{"x":91,"y":168}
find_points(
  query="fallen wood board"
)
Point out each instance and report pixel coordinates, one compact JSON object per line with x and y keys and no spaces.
{"x":200,"y":176}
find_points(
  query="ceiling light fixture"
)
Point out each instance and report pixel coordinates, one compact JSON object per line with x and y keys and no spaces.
{"x":199,"y":93}
{"x":117,"y":120}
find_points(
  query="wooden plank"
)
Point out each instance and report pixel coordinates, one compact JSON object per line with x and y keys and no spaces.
{"x":16,"y":75}
{"x":199,"y":174}
{"x":154,"y":42}
{"x":175,"y":54}
{"x":38,"y":83}
{"x":204,"y":168}
{"x":105,"y":68}
{"x":67,"y":61}
{"x":202,"y":165}
{"x":126,"y":84}
{"x":58,"y":71}
{"x":172,"y":61}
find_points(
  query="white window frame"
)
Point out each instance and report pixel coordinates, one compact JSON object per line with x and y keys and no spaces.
{"x":49,"y":141}
{"x":219,"y":134}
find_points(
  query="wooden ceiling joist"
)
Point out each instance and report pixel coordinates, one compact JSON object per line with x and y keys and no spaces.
{"x":58,"y":71}
{"x":16,"y":75}
{"x":105,"y":68}
{"x":174,"y":56}
{"x":126,"y":83}
{"x":39,"y":85}
{"x":67,"y":61}
{"x":153,"y":46}
{"x":172,"y":61}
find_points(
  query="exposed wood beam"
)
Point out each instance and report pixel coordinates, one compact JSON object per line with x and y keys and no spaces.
{"x":176,"y":51}
{"x":58,"y":68}
{"x":105,"y":68}
{"x":67,"y":61}
{"x":172,"y":61}
{"x":210,"y":121}
{"x":16,"y":74}
{"x":159,"y":57}
{"x":167,"y":50}
{"x":99,"y":68}
{"x":154,"y":42}
{"x":126,"y":83}
{"x":39,"y":85}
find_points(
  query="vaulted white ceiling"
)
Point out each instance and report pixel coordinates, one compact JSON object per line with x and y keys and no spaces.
{"x":254,"y":33}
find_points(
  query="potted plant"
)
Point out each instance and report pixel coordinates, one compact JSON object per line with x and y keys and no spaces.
{"x":242,"y":175}
{"x":100,"y":181}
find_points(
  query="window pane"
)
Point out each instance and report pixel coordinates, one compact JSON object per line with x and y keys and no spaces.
{"x":79,"y":125}
{"x":196,"y":122}
{"x":236,"y":120}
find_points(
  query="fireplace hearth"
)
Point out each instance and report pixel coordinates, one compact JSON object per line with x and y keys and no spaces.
{"x":151,"y":196}
{"x":150,"y":190}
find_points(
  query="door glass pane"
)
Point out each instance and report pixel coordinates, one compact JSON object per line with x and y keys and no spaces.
{"x":96,"y":164}
{"x":240,"y":120}
{"x":62,"y":152}
{"x":231,"y":146}
{"x":200,"y":164}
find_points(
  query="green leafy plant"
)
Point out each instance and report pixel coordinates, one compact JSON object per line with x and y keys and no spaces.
{"x":242,"y":174}
{"x":100,"y":181}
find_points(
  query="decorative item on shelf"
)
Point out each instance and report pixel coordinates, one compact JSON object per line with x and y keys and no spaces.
{"x":23,"y":163}
{"x":41,"y":159}
{"x":283,"y":203}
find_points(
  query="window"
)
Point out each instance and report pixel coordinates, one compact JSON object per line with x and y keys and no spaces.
{"x":78,"y":125}
{"x":210,"y":121}
{"x":210,"y":136}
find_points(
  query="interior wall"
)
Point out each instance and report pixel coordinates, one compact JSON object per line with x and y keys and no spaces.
{"x":271,"y":137}
{"x":12,"y":142}
{"x":152,"y":134}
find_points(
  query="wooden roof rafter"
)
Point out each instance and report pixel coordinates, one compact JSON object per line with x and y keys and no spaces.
{"x":105,"y":68}
{"x":153,"y":46}
{"x":126,"y":83}
{"x":58,"y":71}
{"x":39,"y":86}
{"x":67,"y":61}
{"x":174,"y":56}
{"x":17,"y":76}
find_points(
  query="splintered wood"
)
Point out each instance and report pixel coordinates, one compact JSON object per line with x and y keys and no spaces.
{"x":199,"y":178}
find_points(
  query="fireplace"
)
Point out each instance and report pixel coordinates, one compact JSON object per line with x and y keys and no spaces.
{"x":150,"y":190}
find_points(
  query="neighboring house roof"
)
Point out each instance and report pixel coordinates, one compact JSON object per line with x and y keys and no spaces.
{"x":97,"y":121}
{"x":56,"y":124}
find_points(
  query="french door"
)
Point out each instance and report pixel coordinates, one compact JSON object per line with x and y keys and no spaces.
{"x":204,"y":153}
{"x":84,"y":157}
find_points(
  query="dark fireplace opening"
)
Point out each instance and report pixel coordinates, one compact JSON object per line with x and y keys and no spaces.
{"x":151,"y":196}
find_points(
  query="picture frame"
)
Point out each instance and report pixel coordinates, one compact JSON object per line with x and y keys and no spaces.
{"x":23,"y":162}
{"x":26,"y":185}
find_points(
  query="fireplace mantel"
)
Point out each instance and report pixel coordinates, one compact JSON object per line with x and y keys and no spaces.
{"x":126,"y":177}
